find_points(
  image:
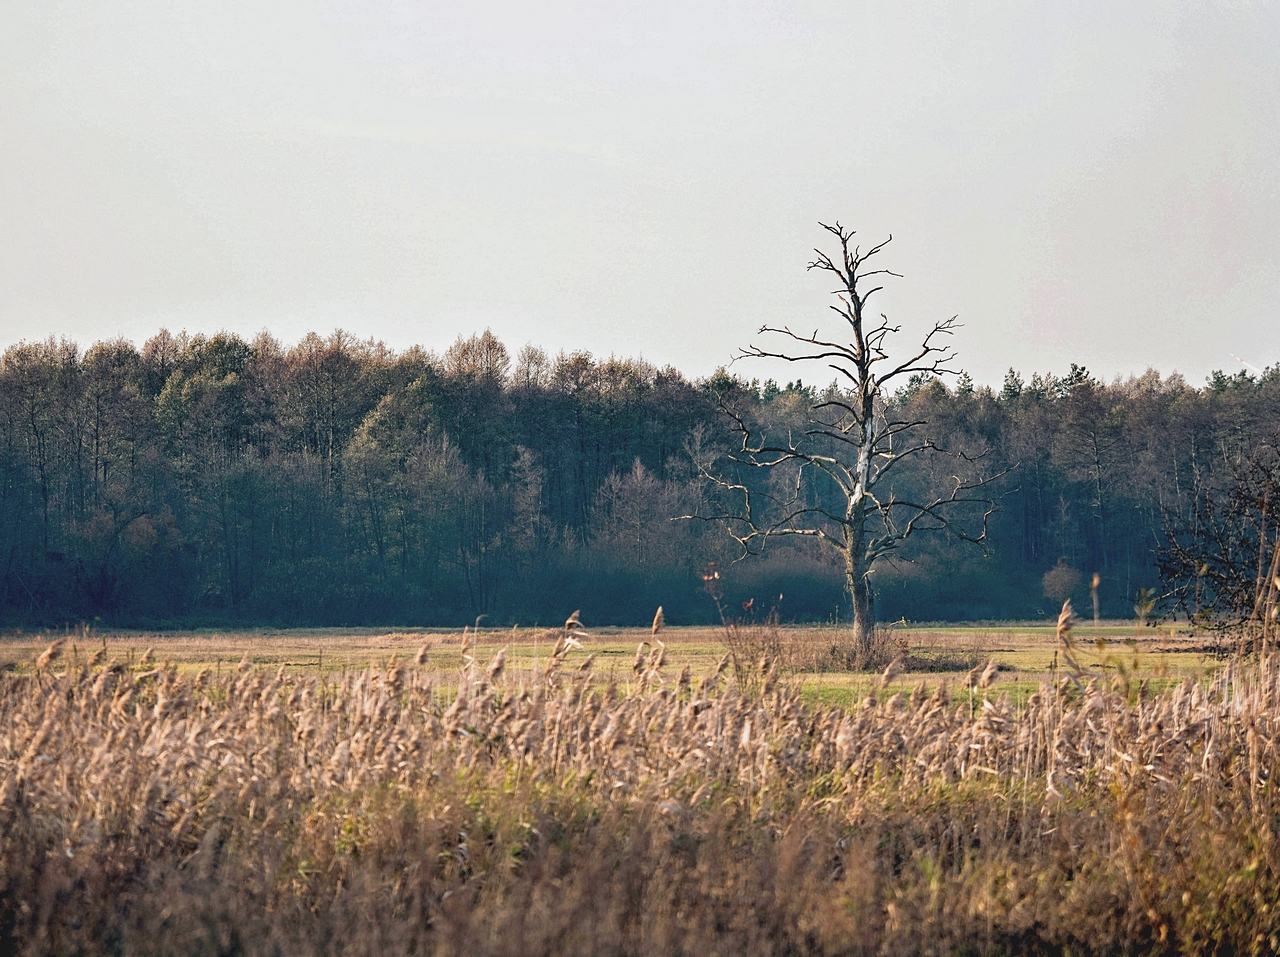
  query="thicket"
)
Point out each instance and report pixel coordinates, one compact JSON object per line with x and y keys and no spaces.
{"x":403,"y":811}
{"x":338,"y":482}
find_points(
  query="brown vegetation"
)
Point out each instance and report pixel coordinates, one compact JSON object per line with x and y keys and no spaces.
{"x":146,"y":812}
{"x":823,"y":650}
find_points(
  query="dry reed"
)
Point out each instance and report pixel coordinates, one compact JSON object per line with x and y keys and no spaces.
{"x":385,"y":812}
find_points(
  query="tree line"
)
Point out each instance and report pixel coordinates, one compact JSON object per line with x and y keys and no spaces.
{"x":336,"y":481}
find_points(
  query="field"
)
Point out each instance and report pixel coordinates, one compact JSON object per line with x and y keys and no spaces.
{"x":933,"y":654}
{"x":344,"y":793}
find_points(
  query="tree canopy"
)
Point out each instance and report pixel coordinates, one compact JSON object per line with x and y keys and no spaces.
{"x":336,"y":481}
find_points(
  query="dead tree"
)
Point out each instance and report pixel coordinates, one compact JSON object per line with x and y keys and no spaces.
{"x":852,"y":442}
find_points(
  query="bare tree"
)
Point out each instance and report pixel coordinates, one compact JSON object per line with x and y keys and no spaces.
{"x":832,"y":482}
{"x":1220,"y":561}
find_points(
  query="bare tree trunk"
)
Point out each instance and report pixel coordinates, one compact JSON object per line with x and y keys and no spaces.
{"x":863,"y":598}
{"x":864,"y":612}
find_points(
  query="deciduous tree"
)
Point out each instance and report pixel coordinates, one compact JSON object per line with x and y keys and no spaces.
{"x":834,"y":481}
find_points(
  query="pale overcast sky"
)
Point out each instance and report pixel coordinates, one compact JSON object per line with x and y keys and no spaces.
{"x":1088,"y":182}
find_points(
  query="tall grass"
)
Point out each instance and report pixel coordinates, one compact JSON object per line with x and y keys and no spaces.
{"x":832,"y":649}
{"x":402,"y":811}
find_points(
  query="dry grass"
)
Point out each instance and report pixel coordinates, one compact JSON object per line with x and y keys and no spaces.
{"x":932,"y":652}
{"x":831,"y":650}
{"x":499,"y":810}
{"x":816,"y":658}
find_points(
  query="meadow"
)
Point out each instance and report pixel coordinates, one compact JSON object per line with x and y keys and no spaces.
{"x":813,"y":659}
{"x":468,"y":799}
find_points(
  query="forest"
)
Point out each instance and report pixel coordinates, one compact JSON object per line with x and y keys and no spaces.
{"x":208,"y":479}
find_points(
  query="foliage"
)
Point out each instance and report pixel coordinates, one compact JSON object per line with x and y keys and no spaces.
{"x":334,"y":481}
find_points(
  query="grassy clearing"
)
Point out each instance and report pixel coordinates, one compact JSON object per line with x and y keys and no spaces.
{"x":1024,"y":653}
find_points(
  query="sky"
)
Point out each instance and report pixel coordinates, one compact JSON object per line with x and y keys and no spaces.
{"x":1077,"y":182}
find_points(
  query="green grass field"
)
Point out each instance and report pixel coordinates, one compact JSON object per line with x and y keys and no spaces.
{"x":1024,"y":652}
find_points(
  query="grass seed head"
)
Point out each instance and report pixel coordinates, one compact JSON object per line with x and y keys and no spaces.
{"x":1066,"y":621}
{"x":496,"y":665}
{"x":51,"y":654}
{"x":892,"y":671}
